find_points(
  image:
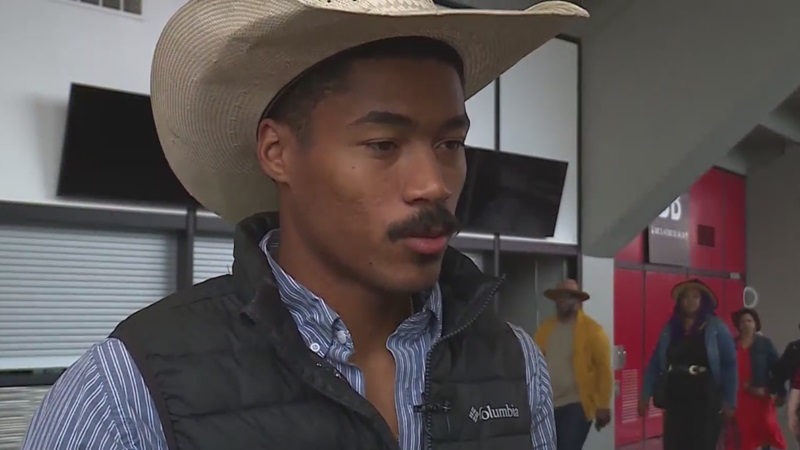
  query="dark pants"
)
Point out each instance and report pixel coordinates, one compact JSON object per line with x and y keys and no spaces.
{"x":692,"y":419}
{"x":571,"y":427}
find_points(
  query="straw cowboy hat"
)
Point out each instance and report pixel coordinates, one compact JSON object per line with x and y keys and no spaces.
{"x":566,"y":288}
{"x":219,"y":63}
{"x":694,"y":283}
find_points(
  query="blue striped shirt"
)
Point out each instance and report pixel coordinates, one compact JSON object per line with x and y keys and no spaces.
{"x":102,"y":402}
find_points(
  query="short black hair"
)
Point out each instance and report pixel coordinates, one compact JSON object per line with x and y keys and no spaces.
{"x":295,"y":102}
{"x":737,"y":316}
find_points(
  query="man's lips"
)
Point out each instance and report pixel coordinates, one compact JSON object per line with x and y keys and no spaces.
{"x":429,"y":234}
{"x":428,"y":244}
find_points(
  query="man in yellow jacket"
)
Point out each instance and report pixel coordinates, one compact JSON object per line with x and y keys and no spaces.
{"x":579,"y":361}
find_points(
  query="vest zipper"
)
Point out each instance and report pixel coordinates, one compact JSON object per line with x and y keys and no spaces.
{"x":428,"y":411}
{"x":375,"y":421}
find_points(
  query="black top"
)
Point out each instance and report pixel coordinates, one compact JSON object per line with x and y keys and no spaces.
{"x":688,"y":351}
{"x":228,"y":369}
{"x":682,"y":386}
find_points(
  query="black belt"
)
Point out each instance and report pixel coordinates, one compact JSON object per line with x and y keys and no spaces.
{"x":692,"y":370}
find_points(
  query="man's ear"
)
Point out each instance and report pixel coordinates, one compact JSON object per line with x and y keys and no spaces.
{"x":274,"y":141}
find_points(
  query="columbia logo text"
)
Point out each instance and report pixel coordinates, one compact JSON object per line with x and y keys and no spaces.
{"x":487,"y":412}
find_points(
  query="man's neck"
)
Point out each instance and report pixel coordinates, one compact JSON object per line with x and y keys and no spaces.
{"x":370,"y":316}
{"x":567,"y":318}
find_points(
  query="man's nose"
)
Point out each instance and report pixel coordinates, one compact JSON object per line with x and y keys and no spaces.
{"x":425,"y":178}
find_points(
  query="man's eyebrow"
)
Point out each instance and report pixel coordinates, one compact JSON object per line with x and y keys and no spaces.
{"x":458,"y":122}
{"x":400,"y":120}
{"x":384,"y":118}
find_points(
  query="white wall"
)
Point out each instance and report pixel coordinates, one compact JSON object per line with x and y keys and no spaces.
{"x":539,"y":117}
{"x":480,"y":109}
{"x":773,"y":249}
{"x":48,"y":44}
{"x":597,"y":278}
{"x":773,"y":244}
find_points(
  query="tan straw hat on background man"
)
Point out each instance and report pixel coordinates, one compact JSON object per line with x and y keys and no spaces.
{"x":219,"y":63}
{"x":567,"y":288}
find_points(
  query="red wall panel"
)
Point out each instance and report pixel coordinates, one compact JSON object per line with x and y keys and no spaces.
{"x":628,"y":315}
{"x":706,"y":212}
{"x":634,"y":251}
{"x":734,"y":234}
{"x":657,"y":311}
{"x":717,"y":286}
{"x":716,"y":222}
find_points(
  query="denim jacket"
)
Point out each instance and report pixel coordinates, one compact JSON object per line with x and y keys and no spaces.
{"x":721,"y":351}
{"x":763,"y":356}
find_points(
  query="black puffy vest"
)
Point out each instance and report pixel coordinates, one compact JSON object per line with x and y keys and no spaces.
{"x":228,"y":369}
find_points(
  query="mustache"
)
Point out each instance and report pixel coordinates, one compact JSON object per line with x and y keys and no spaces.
{"x":435,"y":218}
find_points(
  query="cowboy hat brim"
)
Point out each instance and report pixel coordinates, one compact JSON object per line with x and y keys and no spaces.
{"x":556,"y":293}
{"x":219,"y":63}
{"x":679,"y":288}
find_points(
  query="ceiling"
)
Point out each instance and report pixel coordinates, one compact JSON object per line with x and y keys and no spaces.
{"x":777,"y":133}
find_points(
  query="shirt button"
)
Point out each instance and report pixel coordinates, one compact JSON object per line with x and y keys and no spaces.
{"x":314,"y":347}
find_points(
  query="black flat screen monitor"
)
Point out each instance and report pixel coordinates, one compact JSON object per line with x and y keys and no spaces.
{"x":511,"y":194}
{"x":112,"y":152}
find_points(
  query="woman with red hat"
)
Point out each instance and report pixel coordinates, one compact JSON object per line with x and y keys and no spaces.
{"x":692,"y":373}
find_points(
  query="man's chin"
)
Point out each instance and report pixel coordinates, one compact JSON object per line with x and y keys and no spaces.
{"x":417,"y":278}
{"x":428,"y":262}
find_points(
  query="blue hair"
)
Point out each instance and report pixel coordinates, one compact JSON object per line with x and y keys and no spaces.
{"x":705,"y":311}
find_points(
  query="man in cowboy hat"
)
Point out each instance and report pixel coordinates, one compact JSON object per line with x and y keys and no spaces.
{"x":352,"y":325}
{"x":579,"y":361}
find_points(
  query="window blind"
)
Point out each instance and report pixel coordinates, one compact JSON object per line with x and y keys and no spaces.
{"x":61,"y":290}
{"x":213,"y":256}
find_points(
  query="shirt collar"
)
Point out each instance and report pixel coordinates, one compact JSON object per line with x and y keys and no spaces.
{"x":315,"y":318}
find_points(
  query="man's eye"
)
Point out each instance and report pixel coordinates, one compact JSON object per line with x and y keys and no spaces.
{"x":453,"y":145}
{"x":383,"y":146}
